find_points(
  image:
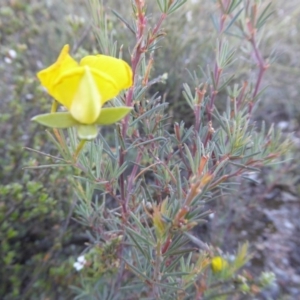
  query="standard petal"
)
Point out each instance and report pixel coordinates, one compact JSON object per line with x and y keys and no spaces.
{"x":49,"y":75}
{"x":86,"y":102}
{"x":116,"y":68}
{"x":66,"y":86}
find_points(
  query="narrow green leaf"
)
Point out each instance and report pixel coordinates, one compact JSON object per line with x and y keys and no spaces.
{"x":139,"y":224}
{"x":170,"y":286}
{"x":179,"y":185}
{"x":233,"y":20}
{"x":264,"y":16}
{"x":226,"y":83}
{"x":139,"y":93}
{"x":174,"y":264}
{"x":232,"y":6}
{"x":190,"y":158}
{"x":56,"y":120}
{"x":110,"y":115}
{"x":63,"y":149}
{"x":45,"y":154}
{"x":137,"y":244}
{"x":146,"y":142}
{"x":175,"y":274}
{"x":124,"y":21}
{"x":183,"y":251}
{"x":47,"y":166}
{"x":133,"y":287}
{"x":178,"y":243}
{"x":175,"y":6}
{"x":141,"y":238}
{"x":149,"y":113}
{"x":137,"y":271}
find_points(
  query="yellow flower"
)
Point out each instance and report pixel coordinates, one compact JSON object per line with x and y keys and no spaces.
{"x":218,"y":264}
{"x":84,"y":87}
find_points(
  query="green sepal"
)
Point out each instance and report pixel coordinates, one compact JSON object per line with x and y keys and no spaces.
{"x":87,"y":132}
{"x":110,"y":115}
{"x":56,"y":120}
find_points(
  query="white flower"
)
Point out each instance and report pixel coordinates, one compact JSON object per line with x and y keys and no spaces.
{"x":81,"y":259}
{"x":7,"y":60}
{"x":211,"y":215}
{"x":79,"y":264}
{"x":12,"y":53}
{"x":189,"y":16}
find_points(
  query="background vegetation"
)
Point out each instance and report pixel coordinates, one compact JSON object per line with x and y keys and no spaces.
{"x":39,"y":239}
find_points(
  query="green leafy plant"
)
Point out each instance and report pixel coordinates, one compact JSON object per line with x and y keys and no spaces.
{"x":144,"y":185}
{"x":142,"y":192}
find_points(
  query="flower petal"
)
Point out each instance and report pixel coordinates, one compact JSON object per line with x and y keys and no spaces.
{"x":218,"y":264}
{"x":110,"y":115}
{"x":78,"y":266}
{"x":78,"y":90}
{"x":117,"y":69}
{"x":49,"y":75}
{"x":86,"y":102}
{"x":56,"y":120}
{"x":87,"y":132}
{"x":81,"y":259}
{"x":66,"y":86}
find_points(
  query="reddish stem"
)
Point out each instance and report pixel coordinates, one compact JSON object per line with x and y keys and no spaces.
{"x":135,"y":59}
{"x":141,"y":23}
{"x":132,"y":176}
{"x":261,"y":63}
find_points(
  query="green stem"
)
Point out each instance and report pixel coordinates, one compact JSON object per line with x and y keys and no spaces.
{"x":55,"y":130}
{"x":228,"y":293}
{"x":54,"y":106}
{"x":78,"y":149}
{"x":156,"y":273}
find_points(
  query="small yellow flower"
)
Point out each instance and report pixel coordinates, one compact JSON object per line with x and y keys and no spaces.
{"x":218,"y":264}
{"x":83,"y":88}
